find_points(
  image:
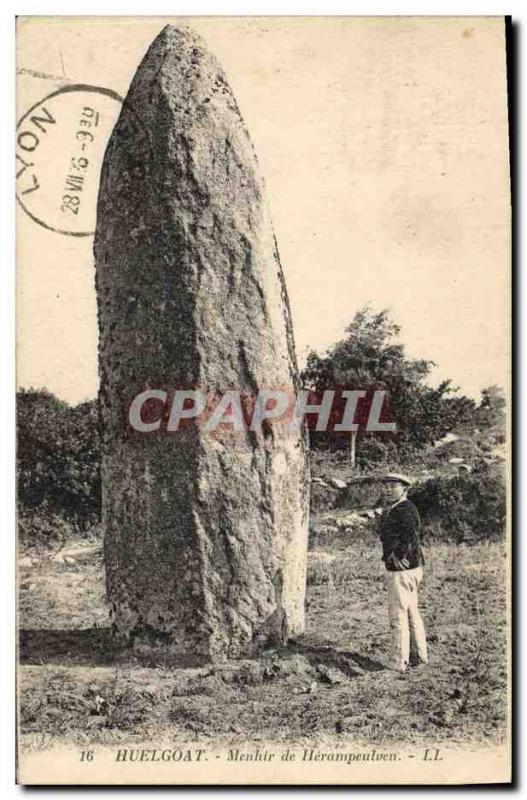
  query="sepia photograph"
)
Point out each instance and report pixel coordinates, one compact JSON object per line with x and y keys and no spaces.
{"x":263,"y":400}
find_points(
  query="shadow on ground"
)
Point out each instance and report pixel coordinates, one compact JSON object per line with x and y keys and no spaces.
{"x":95,"y":647}
{"x":92,"y":647}
{"x":89,"y":646}
{"x":352,"y":664}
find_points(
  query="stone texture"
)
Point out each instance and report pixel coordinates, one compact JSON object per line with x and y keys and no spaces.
{"x":205,"y":537}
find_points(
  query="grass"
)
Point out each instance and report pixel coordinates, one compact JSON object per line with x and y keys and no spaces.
{"x":329,"y":684}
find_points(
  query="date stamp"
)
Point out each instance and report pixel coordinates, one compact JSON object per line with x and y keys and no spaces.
{"x":60,"y":147}
{"x":74,"y":181}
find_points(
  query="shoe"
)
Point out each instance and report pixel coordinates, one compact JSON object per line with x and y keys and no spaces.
{"x":395,"y":668}
{"x":418,"y":666}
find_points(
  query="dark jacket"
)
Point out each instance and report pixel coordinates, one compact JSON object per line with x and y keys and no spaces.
{"x":400,"y":528}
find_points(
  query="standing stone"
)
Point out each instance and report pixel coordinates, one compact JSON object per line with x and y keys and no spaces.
{"x":205,"y":535}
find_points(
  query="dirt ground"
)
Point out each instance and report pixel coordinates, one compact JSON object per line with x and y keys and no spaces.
{"x":329,"y":684}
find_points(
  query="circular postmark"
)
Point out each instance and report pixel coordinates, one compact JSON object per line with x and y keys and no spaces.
{"x":60,"y":146}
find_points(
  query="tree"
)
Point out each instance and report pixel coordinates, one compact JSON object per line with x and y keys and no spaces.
{"x":371,"y":357}
{"x":491,"y":410}
{"x":463,"y":412}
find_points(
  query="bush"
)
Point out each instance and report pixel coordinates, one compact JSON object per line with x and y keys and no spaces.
{"x":58,"y":464}
{"x":42,"y":526}
{"x":464,"y":509}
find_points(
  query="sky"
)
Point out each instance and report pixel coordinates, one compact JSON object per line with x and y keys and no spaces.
{"x":383,"y":147}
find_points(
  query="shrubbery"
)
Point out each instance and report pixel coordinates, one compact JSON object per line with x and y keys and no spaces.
{"x":463,"y":509}
{"x":59,"y":485}
{"x":58,"y":466}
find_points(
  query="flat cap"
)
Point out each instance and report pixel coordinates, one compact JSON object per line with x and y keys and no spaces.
{"x":397,"y":477}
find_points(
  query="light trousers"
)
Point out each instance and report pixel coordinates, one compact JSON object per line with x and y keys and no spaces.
{"x":406,"y":623}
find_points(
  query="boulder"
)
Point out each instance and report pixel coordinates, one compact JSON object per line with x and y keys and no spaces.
{"x":351,"y":520}
{"x":82,"y":553}
{"x":205,"y":533}
{"x":363,"y":492}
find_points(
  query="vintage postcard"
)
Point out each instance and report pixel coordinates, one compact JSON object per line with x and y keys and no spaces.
{"x":263,"y":403}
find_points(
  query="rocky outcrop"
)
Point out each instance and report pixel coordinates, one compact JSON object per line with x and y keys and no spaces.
{"x":205,"y":534}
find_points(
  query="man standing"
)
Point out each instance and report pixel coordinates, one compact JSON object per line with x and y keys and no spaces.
{"x":403,"y":558}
